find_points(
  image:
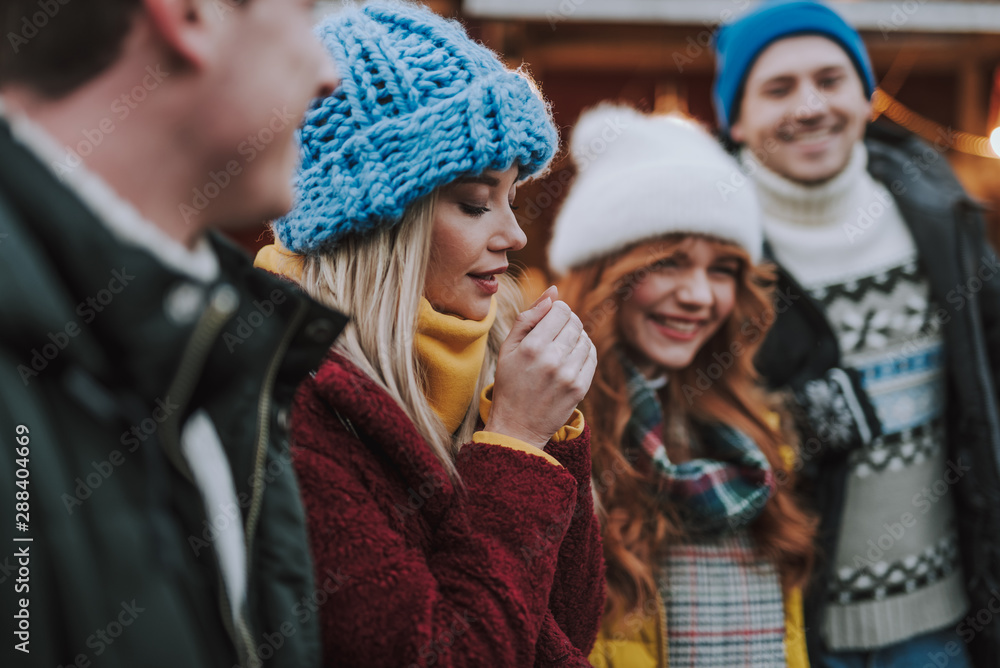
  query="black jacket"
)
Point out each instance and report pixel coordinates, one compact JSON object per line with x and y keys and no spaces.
{"x":801,"y":348}
{"x":104,"y":353}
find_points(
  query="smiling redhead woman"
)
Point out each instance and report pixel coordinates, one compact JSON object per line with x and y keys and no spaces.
{"x":443,"y":464}
{"x":705,"y":548}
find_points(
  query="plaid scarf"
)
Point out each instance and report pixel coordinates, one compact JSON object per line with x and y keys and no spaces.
{"x":724,"y":604}
{"x":712,"y":495}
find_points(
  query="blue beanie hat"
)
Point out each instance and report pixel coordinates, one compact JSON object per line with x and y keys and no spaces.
{"x":419,"y":104}
{"x":738,"y":45}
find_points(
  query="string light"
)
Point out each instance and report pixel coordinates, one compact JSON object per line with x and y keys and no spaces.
{"x":995,"y":140}
{"x":965,"y":142}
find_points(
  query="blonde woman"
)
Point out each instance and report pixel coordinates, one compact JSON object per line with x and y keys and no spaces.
{"x":444,"y":468}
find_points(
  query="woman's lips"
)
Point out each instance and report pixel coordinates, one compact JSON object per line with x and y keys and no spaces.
{"x":487,"y":283}
{"x":679,"y":329}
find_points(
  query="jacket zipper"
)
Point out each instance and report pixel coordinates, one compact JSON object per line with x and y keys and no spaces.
{"x":260,"y":461}
{"x":264,"y":427}
{"x":222,"y":304}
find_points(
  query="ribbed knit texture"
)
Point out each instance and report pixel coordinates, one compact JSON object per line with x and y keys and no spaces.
{"x":418,"y":105}
{"x":451,"y":352}
{"x":740,"y":43}
{"x":847,"y":226}
{"x":897,"y":571}
{"x":897,"y":563}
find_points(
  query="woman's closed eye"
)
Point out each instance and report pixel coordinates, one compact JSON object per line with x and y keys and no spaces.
{"x":473,"y":210}
{"x":665,"y":264}
{"x":727,"y":269}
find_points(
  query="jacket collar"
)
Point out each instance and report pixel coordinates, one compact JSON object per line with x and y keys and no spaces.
{"x":113,"y":310}
{"x":115,"y":213}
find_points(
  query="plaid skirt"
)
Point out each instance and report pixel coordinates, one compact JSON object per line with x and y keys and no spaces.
{"x":723,"y":603}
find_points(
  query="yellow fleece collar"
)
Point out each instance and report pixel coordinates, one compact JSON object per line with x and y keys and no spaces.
{"x":451,"y":351}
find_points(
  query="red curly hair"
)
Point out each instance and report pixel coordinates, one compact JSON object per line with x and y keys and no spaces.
{"x":636,"y":527}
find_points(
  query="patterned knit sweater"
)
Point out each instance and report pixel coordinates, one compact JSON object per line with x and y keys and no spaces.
{"x":897,"y":571}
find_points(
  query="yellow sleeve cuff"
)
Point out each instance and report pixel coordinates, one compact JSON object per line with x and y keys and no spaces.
{"x":493,"y":438}
{"x":572,"y":429}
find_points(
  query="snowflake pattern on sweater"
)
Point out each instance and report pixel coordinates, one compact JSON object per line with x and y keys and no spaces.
{"x":897,"y":564}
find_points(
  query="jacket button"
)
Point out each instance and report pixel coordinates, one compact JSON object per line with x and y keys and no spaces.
{"x":319,"y":331}
{"x":184,"y":303}
{"x":283,"y":419}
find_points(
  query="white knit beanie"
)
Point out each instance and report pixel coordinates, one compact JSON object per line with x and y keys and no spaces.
{"x":641,"y":177}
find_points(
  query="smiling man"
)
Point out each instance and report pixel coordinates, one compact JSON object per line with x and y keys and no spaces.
{"x":891,"y":349}
{"x":143,"y":365}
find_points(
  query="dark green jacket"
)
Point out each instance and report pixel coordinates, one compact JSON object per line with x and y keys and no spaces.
{"x":104,"y":354}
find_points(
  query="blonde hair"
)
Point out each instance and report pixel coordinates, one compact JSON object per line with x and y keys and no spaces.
{"x":378,"y":279}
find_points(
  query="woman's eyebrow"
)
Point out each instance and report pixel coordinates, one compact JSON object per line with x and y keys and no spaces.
{"x":484,"y":179}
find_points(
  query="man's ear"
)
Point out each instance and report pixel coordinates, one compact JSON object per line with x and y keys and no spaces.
{"x":186,"y":27}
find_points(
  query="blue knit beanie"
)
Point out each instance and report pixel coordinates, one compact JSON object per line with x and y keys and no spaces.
{"x":738,"y":45}
{"x":419,"y":105}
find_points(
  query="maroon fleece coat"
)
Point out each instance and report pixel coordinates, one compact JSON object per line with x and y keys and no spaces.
{"x":414,"y":571}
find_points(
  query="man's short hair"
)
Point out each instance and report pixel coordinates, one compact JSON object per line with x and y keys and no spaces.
{"x":54,"y":46}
